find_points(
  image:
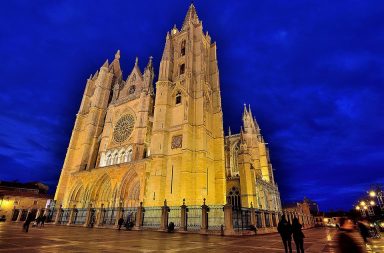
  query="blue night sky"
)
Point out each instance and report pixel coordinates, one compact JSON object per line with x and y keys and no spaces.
{"x":313,"y":72}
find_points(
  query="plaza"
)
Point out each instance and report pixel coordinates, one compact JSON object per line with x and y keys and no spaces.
{"x":53,"y":238}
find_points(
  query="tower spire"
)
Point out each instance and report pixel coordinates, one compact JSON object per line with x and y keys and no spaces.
{"x":191,"y":17}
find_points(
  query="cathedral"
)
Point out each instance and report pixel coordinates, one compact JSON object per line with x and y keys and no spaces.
{"x":132,"y":143}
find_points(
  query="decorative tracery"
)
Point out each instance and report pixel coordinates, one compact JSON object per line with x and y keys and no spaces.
{"x":123,"y":128}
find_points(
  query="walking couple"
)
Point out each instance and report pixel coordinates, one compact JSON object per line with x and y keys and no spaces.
{"x":286,"y":230}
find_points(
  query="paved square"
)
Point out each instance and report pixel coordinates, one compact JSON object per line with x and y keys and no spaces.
{"x":78,"y":239}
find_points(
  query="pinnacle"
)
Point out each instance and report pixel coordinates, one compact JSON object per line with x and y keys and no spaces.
{"x":106,"y":64}
{"x":191,"y":17}
{"x":117,"y":55}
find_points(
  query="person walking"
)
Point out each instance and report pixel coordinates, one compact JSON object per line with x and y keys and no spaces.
{"x":298,"y":235}
{"x":27,"y":223}
{"x":120,"y":223}
{"x":285,"y":230}
{"x":43,"y":220}
{"x":364,"y":232}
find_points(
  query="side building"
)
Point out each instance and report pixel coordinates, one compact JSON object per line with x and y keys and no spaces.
{"x":18,"y":200}
{"x":250,"y":180}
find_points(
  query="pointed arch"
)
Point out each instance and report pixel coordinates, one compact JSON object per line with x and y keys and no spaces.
{"x":129,"y":189}
{"x":101,"y":192}
{"x":76,"y":194}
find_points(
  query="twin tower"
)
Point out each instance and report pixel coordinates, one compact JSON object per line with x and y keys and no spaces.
{"x":131,"y":145}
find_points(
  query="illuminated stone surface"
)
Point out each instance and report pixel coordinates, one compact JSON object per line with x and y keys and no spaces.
{"x":63,"y":239}
{"x":131,"y":145}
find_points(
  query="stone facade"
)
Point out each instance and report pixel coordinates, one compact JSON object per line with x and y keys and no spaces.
{"x":300,"y":210}
{"x":19,"y":200}
{"x":249,"y":171}
{"x":131,"y":145}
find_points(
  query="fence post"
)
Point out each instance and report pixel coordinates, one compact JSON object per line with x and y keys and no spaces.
{"x":204,"y":218}
{"x":253,"y":216}
{"x":37,"y":213}
{"x":58,"y":214}
{"x":262,"y":216}
{"x":164,"y":216}
{"x":228,"y":219}
{"x":118,"y":215}
{"x":183,"y":216}
{"x":71,"y":215}
{"x":88,"y":216}
{"x":139,"y":217}
{"x":99,"y":219}
{"x":277,"y":218}
{"x":19,"y":215}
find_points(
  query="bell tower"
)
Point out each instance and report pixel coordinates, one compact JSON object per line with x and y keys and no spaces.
{"x":187,"y":147}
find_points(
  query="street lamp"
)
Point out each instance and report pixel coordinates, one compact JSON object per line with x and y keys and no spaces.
{"x":372,"y":203}
{"x":357,"y":208}
{"x":372,"y":194}
{"x":362,"y":203}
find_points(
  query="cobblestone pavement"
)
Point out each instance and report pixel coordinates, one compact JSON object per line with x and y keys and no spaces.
{"x":78,"y":239}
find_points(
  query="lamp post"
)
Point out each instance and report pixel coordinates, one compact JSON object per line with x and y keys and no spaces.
{"x":378,"y":193}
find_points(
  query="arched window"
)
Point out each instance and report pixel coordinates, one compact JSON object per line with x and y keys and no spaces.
{"x":182,"y":69}
{"x":178,"y":98}
{"x":182,"y":50}
{"x":109,"y":159}
{"x":116,"y":158}
{"x":235,"y":161}
{"x":234,"y":198}
{"x":123,"y":157}
{"x":129,"y":155}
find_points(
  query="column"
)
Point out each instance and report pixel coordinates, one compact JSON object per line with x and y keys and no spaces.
{"x":118,"y":214}
{"x":71,"y":214}
{"x":262,"y":216}
{"x":253,"y":216}
{"x":99,"y":217}
{"x":183,"y":216}
{"x":58,"y":215}
{"x":228,"y":220}
{"x":88,"y":216}
{"x":277,"y":219}
{"x":204,"y":218}
{"x":139,"y":217}
{"x":164,"y":216}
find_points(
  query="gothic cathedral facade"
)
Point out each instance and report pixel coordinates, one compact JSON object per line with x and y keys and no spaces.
{"x":131,"y":144}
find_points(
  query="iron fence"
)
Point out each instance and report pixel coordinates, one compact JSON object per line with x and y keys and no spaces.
{"x":108,"y":216}
{"x":241,"y":218}
{"x":152,"y":217}
{"x":215,"y":218}
{"x":175,"y":216}
{"x":129,"y":214}
{"x":64,"y":216}
{"x":194,"y":218}
{"x":51,"y":215}
{"x":79,"y":216}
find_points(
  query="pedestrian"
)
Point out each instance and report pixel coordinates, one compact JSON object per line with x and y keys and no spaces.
{"x":43,"y":220}
{"x":120,"y":222}
{"x":285,"y":230}
{"x":364,"y":232}
{"x":38,"y":220}
{"x":27,"y":223}
{"x":346,"y":244}
{"x":298,"y":235}
{"x":93,"y":220}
